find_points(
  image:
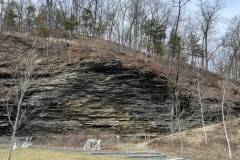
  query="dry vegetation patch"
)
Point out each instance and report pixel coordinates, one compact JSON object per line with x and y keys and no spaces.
{"x":194,"y":144}
{"x":77,"y":139}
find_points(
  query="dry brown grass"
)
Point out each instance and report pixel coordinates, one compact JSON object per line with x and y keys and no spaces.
{"x":102,"y":50}
{"x":77,"y":139}
{"x":74,"y":49}
{"x":211,"y":83}
{"x":109,"y":140}
{"x":194,"y":144}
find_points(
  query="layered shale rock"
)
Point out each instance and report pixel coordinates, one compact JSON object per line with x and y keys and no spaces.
{"x":101,"y":95}
{"x":104,"y":95}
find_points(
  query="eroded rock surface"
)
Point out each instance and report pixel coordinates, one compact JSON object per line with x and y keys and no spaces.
{"x":98,"y":95}
{"x":103,"y":95}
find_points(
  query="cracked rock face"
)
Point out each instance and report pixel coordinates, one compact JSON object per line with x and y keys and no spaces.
{"x":102,"y":95}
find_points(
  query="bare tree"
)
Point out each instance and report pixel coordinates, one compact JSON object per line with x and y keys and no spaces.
{"x":231,"y":43}
{"x":179,"y":4}
{"x":171,"y":114}
{"x":95,"y":11}
{"x":14,"y":97}
{"x":111,"y":12}
{"x":201,"y":105}
{"x":136,"y":11}
{"x":123,"y":10}
{"x":1,"y":15}
{"x":20,"y":8}
{"x":193,"y":44}
{"x":225,"y":86}
{"x":160,"y":10}
{"x":209,"y":16}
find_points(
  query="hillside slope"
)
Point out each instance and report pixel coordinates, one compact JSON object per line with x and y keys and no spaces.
{"x":106,"y":86}
{"x":194,"y":143}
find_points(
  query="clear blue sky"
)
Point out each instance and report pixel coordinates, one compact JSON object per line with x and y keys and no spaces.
{"x":232,"y":7}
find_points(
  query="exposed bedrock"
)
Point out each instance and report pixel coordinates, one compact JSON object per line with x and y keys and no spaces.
{"x":105,"y":96}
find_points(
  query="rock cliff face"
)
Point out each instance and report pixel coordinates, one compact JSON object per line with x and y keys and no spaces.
{"x":104,"y":95}
{"x":101,"y":95}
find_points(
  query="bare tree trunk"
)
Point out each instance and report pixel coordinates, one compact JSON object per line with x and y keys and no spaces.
{"x":178,"y":117}
{"x":172,"y":123}
{"x":95,"y":17}
{"x":176,"y":34}
{"x":47,"y":48}
{"x":208,"y":12}
{"x":201,"y":105}
{"x":25,"y":79}
{"x":180,"y":4}
{"x":206,"y":51}
{"x":180,"y":132}
{"x":171,"y":108}
{"x":202,"y":58}
{"x":224,"y":87}
{"x":1,"y":18}
{"x":123,"y":28}
{"x":54,"y":47}
{"x":129,"y":35}
{"x":69,"y":49}
{"x":16,"y":121}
